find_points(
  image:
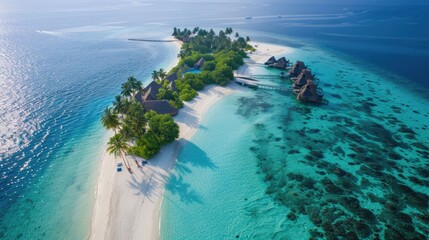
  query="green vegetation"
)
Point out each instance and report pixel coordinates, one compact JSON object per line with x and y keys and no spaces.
{"x":158,"y":76}
{"x":142,"y":133}
{"x":118,"y":146}
{"x":161,"y":130}
{"x":221,"y":53}
{"x":148,"y":130}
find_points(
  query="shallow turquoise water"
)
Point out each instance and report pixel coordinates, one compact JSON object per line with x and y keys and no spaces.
{"x":280,"y":169}
{"x":61,"y":62}
{"x":54,"y":88}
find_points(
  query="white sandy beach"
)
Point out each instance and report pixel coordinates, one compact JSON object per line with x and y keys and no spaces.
{"x":128,"y":206}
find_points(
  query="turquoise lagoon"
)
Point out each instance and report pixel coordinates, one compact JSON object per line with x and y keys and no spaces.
{"x":61,"y":63}
{"x":264,"y":166}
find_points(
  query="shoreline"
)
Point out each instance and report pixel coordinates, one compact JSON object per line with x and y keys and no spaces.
{"x":129,"y":206}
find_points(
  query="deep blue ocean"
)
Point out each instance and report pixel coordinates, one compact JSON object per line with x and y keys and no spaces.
{"x":61,"y":64}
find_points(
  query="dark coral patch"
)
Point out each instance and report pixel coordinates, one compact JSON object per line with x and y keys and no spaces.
{"x":293,"y":151}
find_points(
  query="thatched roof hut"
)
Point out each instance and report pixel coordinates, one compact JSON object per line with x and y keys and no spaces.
{"x":301,"y":64}
{"x":160,"y":107}
{"x":309,"y":93}
{"x":151,"y":90}
{"x":282,"y":63}
{"x":297,"y":69}
{"x":172,"y":79}
{"x":306,"y":73}
{"x":302,"y":78}
{"x":270,"y":61}
{"x":199,"y":63}
{"x":139,"y":97}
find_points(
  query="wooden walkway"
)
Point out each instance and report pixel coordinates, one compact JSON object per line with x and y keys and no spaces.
{"x":253,"y":83}
{"x":152,"y":40}
{"x":268,"y":76}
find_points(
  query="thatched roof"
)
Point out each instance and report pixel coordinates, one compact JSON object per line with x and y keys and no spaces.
{"x":308,"y":93}
{"x":281,"y":63}
{"x":151,"y":91}
{"x":172,"y":86}
{"x":270,"y":61}
{"x":299,"y":83}
{"x":139,"y":97}
{"x":283,"y":60}
{"x":199,"y":63}
{"x":306,"y":73}
{"x":171,"y":77}
{"x":160,"y":107}
{"x":301,"y":64}
{"x":303,"y":77}
{"x":297,"y":69}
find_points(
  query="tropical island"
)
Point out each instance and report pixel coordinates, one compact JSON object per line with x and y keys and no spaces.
{"x":129,"y":205}
{"x":142,"y":116}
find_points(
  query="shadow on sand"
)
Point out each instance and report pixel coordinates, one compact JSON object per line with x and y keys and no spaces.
{"x":191,"y":117}
{"x":146,"y":180}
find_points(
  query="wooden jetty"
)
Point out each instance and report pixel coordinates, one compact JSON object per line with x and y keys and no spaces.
{"x":253,"y":83}
{"x":152,"y":40}
{"x":268,"y":76}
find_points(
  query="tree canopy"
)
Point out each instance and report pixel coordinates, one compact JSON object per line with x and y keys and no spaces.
{"x":222,"y":55}
{"x":148,"y":130}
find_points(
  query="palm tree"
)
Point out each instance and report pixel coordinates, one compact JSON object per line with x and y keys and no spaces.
{"x":127,"y":89}
{"x":118,"y":146}
{"x":186,"y":48}
{"x":136,"y":118}
{"x":155,"y":75}
{"x":162,"y":74}
{"x":119,"y":104}
{"x":181,"y":54}
{"x":132,"y":80}
{"x":128,"y":132}
{"x":138,"y":85}
{"x":127,"y":129}
{"x":110,"y":119}
{"x":126,"y":104}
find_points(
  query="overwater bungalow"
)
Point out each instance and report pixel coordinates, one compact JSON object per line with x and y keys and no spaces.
{"x":297,"y":69}
{"x":302,"y":79}
{"x":310,"y":93}
{"x":199,"y":63}
{"x":270,"y":61}
{"x":282,"y":63}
